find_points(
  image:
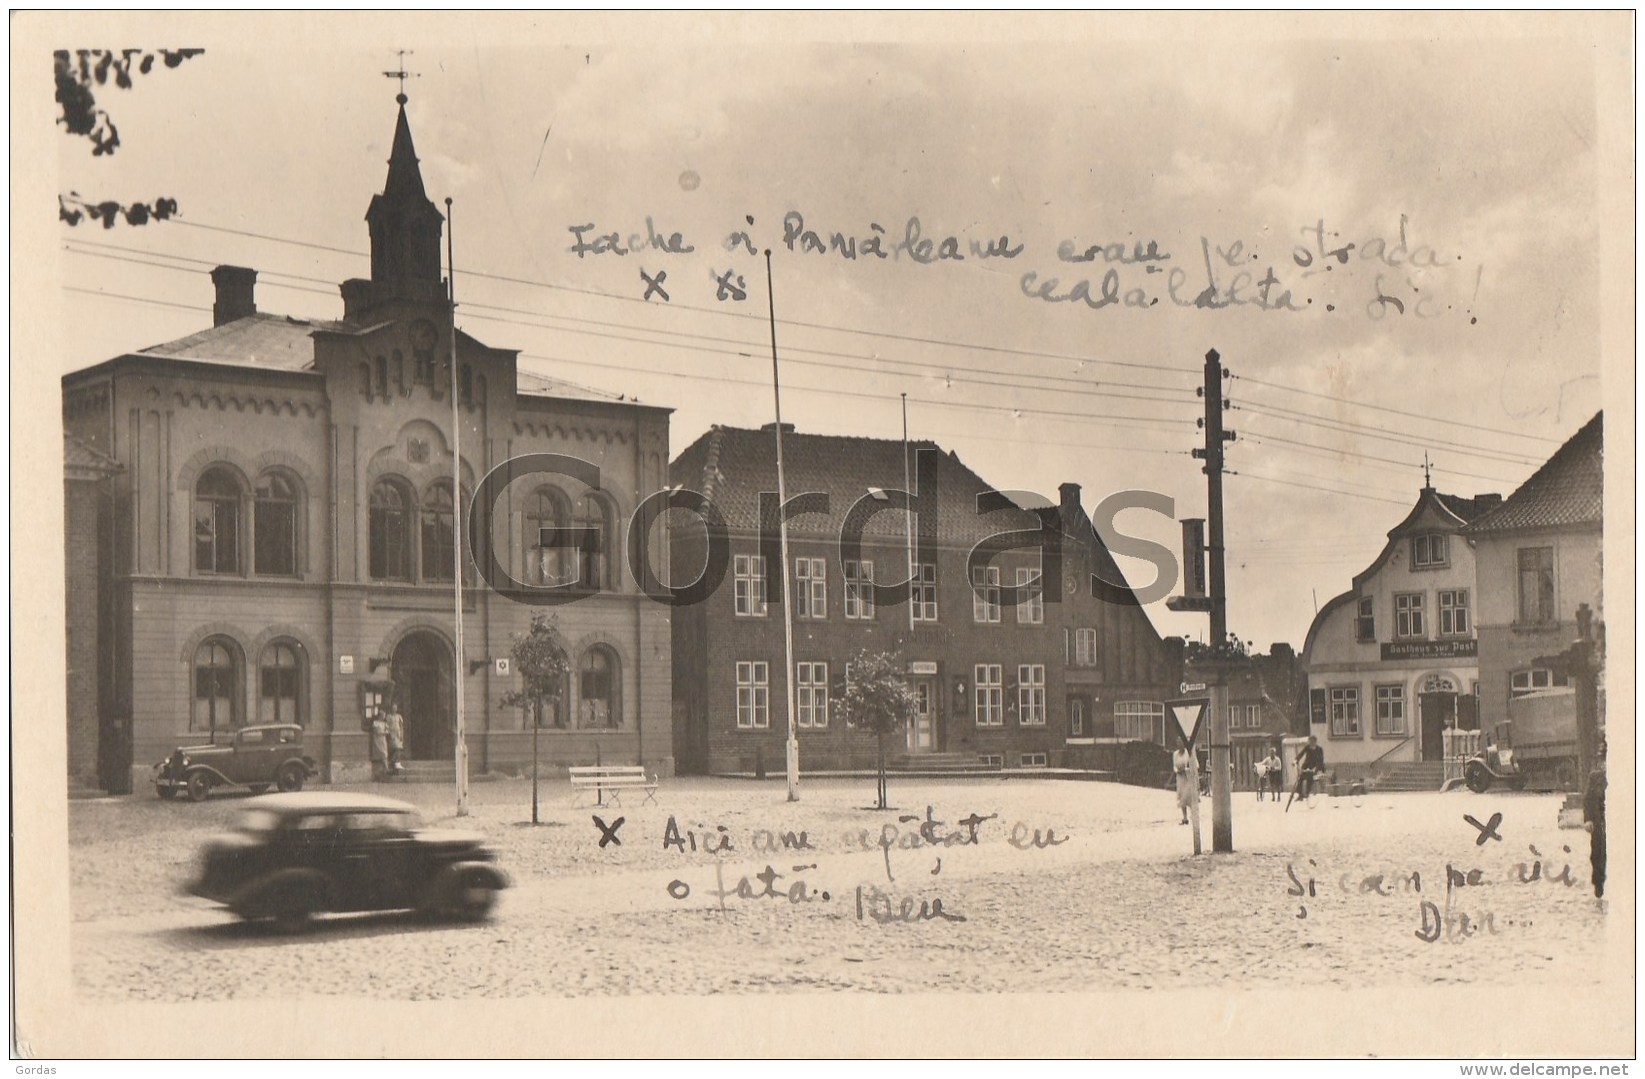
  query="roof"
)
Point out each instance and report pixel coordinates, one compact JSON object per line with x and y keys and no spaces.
{"x":531,"y":384}
{"x":279,"y":342}
{"x":1568,"y":490}
{"x":81,"y":461}
{"x":731,"y":466}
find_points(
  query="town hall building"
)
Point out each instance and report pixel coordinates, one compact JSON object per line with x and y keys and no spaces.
{"x":266,"y":508}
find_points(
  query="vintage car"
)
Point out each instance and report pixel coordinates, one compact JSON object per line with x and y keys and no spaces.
{"x":293,"y":856}
{"x":257,"y":757}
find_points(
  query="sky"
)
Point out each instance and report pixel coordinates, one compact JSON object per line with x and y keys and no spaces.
{"x":1424,"y":201}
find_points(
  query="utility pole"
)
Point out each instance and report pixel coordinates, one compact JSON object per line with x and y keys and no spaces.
{"x":1222,"y":823}
{"x":785,"y":582}
{"x":459,"y":664}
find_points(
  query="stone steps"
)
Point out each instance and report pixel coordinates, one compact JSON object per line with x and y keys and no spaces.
{"x":1412,"y":776}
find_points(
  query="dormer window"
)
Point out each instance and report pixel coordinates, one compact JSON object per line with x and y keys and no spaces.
{"x":1429,"y":551}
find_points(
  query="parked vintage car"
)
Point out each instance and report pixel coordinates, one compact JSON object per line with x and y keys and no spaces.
{"x":257,"y":757}
{"x":293,"y":856}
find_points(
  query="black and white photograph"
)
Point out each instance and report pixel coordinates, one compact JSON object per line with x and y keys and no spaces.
{"x":1006,"y":535}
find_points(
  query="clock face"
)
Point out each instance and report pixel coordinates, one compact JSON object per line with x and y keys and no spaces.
{"x":423,"y":335}
{"x":1073,"y":583}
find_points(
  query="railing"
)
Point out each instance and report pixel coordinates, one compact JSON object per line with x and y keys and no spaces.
{"x":1460,"y":745}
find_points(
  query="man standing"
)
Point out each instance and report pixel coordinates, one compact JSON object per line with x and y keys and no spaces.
{"x":1310,"y":763}
{"x":1593,"y":809}
{"x":1270,"y":773}
{"x":379,"y":747}
{"x":396,"y":740}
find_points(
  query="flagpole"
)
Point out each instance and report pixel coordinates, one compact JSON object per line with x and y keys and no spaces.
{"x":908,"y":517}
{"x":459,"y":668}
{"x":793,"y":753}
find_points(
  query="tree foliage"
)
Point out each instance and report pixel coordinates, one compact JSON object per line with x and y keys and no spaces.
{"x":76,"y":74}
{"x":72,"y":209}
{"x":78,"y":71}
{"x":877,"y":696}
{"x":541,"y":663}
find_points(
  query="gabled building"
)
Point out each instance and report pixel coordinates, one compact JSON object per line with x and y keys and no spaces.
{"x":280,"y":506}
{"x":1393,"y":661}
{"x":1000,"y":684}
{"x":1539,"y":557}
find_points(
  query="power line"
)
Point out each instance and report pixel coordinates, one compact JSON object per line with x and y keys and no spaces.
{"x":1352,"y":428}
{"x":913,"y":338}
{"x":1084,"y":387}
{"x":1405,"y":467}
{"x":1448,"y":421}
{"x":1313,"y":487}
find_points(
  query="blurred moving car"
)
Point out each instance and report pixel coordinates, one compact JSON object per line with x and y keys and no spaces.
{"x":293,"y":856}
{"x":257,"y":757}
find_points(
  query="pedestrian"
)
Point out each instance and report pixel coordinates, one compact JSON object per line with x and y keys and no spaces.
{"x":1262,"y":778}
{"x":1184,"y":768}
{"x":1593,"y":812}
{"x":1310,"y":763}
{"x":379,"y":747}
{"x":1274,"y":770}
{"x":396,"y":740}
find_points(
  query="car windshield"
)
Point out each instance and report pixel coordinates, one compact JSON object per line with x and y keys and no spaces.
{"x":256,"y":821}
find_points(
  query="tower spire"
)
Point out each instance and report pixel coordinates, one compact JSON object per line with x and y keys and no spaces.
{"x":405,"y":226}
{"x":1427,"y":474}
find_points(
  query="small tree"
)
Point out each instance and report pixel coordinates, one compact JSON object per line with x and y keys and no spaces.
{"x":542,"y":666}
{"x":878,"y":699}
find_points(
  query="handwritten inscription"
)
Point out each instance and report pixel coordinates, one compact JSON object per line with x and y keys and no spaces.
{"x":1380,"y":276}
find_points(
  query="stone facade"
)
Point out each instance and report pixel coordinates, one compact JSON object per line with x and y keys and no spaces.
{"x":281,"y":545}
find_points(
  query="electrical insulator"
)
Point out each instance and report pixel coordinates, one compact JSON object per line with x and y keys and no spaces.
{"x":1199,"y":453}
{"x":1229,"y":436}
{"x":1199,"y":422}
{"x":1199,"y":391}
{"x":1227,"y":404}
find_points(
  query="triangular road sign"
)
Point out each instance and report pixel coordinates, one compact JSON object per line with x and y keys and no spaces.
{"x":1188,"y":713}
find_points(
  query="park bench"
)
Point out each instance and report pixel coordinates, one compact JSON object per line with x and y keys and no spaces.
{"x":612,"y":779}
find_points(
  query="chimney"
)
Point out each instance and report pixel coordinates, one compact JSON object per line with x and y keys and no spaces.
{"x":236,"y":286}
{"x":1069,"y":501}
{"x":356,"y":297}
{"x":788,"y":428}
{"x":1486,"y":502}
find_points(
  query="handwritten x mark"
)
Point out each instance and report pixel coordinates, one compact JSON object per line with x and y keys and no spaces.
{"x":1486,"y":830}
{"x":654,"y":284}
{"x":608,"y":833}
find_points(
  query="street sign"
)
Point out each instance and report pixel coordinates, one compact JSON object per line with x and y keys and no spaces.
{"x":1191,"y":604}
{"x":1188,"y":713}
{"x":1191,"y":687}
{"x":503,"y":665}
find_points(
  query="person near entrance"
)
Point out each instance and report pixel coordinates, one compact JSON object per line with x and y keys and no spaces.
{"x":379,"y":747}
{"x":396,"y":740}
{"x":1186,"y":771}
{"x":1310,"y":763}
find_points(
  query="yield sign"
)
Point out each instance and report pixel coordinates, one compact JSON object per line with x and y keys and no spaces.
{"x":1188,"y":714}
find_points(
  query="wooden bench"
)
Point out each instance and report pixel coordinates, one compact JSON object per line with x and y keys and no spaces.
{"x":612,"y":778}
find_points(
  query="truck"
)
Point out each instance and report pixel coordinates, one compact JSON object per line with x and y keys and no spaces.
{"x":1536,"y":745}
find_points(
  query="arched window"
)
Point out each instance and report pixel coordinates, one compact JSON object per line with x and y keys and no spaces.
{"x":274,"y":546}
{"x":217,"y":522}
{"x":598,"y":690}
{"x":554,"y":713}
{"x":390,"y":532}
{"x":437,"y":550}
{"x":216,"y":686}
{"x":546,"y":508}
{"x":280,"y":684}
{"x":593,"y":556}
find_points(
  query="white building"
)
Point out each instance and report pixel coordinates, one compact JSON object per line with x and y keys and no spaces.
{"x":1393,"y":661}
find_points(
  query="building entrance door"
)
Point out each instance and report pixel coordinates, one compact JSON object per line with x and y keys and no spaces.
{"x":422,"y":679}
{"x":1438,"y":712}
{"x":922,"y":731}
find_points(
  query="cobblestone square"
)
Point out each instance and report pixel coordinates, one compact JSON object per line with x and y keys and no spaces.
{"x":980,"y":885}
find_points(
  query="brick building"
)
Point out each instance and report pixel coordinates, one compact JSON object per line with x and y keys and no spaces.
{"x":1026,"y":684}
{"x":280,"y":544}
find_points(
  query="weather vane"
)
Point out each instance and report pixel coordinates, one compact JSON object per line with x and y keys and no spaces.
{"x":1427,"y":476}
{"x":402,"y":74}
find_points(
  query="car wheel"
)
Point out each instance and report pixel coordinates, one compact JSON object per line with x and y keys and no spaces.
{"x":290,"y":777}
{"x":1477,"y":776}
{"x":259,"y":788}
{"x":294,"y":906}
{"x":473,"y":897}
{"x":166,"y":793}
{"x":199,"y":785}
